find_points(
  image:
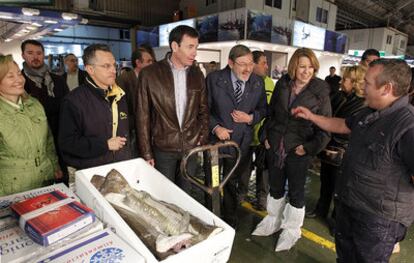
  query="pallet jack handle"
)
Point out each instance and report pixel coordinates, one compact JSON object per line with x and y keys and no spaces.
{"x":216,"y":185}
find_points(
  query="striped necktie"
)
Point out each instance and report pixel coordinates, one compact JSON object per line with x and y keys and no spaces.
{"x":238,"y":91}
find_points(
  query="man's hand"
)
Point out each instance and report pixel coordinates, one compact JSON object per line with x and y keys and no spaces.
{"x":116,"y":143}
{"x":58,"y":174}
{"x":241,"y":117}
{"x":151,"y":162}
{"x":302,"y":112}
{"x":267,"y":145}
{"x":222,"y":133}
{"x":299,"y":150}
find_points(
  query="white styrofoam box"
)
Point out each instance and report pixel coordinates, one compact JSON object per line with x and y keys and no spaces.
{"x":142,"y":176}
{"x":103,"y":246}
{"x":6,"y":201}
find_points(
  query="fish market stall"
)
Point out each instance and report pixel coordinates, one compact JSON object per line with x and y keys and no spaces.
{"x":144,"y":180}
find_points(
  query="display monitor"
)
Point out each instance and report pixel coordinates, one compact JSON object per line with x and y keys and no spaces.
{"x":305,"y":35}
{"x":335,"y":42}
{"x":164,"y":30}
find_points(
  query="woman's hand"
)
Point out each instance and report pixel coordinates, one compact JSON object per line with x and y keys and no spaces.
{"x":299,"y":150}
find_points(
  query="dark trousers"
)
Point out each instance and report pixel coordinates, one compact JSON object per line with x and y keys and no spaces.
{"x":362,"y":237}
{"x":295,"y":170}
{"x":329,"y":173}
{"x":262,"y":181}
{"x":231,"y":192}
{"x":168,"y":163}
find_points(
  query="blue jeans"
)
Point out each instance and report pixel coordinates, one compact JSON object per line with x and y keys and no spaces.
{"x":362,"y":237}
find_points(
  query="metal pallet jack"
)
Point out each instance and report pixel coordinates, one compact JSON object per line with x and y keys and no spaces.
{"x":212,"y":185}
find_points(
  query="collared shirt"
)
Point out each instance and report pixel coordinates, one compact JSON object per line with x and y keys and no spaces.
{"x":180,"y":90}
{"x":72,"y":80}
{"x":18,"y":105}
{"x":234,"y":79}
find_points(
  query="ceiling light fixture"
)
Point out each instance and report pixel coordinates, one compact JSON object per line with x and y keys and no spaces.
{"x":69,"y":16}
{"x":5,"y":17}
{"x":51,"y":21}
{"x":58,"y":29}
{"x":30,"y":11}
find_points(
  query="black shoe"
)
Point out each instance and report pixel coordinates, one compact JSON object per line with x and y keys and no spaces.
{"x":312,"y":214}
{"x":331,"y":226}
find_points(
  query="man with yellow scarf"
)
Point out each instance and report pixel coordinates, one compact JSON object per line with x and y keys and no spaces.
{"x":94,"y":117}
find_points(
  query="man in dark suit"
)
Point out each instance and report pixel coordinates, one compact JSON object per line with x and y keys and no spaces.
{"x":237,"y":101}
{"x":73,"y":76}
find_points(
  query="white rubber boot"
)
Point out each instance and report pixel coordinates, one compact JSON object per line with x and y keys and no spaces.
{"x":271,"y":223}
{"x":291,"y":224}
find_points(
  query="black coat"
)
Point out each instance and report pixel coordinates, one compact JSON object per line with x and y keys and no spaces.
{"x":377,"y":167}
{"x":222,"y":102}
{"x":50,"y":104}
{"x":81,"y":76}
{"x":281,"y":124}
{"x":86,"y":124}
{"x":344,"y":106}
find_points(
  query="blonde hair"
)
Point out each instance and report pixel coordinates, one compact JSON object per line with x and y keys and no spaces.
{"x":294,"y":61}
{"x":5,"y":62}
{"x":356,"y":74}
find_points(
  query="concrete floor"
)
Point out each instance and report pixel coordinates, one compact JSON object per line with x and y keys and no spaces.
{"x":247,"y":248}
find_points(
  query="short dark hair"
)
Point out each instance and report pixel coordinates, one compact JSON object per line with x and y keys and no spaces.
{"x":137,"y":54}
{"x":69,"y":54}
{"x":370,"y":52}
{"x":238,"y":51}
{"x":332,"y":67}
{"x":89,"y":52}
{"x":178,"y":32}
{"x":149,"y":50}
{"x":257,"y":54}
{"x":31,"y":42}
{"x":395,"y":71}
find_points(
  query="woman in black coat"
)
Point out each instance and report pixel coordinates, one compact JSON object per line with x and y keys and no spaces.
{"x":291,"y":143}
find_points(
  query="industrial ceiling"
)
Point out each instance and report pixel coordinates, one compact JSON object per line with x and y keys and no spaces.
{"x":356,"y":14}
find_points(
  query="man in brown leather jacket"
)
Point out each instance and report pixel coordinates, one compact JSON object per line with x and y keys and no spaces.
{"x":172,"y":111}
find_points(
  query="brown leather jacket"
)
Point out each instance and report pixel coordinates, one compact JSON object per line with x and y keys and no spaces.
{"x":156,"y":118}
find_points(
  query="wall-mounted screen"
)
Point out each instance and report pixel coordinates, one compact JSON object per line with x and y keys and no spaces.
{"x":207,"y":27}
{"x":164,"y":30}
{"x":259,"y":26}
{"x":148,"y":36}
{"x":335,"y":42}
{"x":232,"y":25}
{"x":305,"y":35}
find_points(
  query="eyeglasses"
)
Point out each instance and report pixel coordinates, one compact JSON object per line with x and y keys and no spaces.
{"x":106,"y":66}
{"x":245,"y":65}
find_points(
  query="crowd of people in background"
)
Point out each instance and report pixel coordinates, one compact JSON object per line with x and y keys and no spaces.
{"x":360,"y":125}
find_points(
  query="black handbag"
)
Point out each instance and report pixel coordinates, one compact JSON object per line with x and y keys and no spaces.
{"x":332,"y":155}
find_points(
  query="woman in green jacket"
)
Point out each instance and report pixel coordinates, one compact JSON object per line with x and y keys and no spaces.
{"x":27,"y":154}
